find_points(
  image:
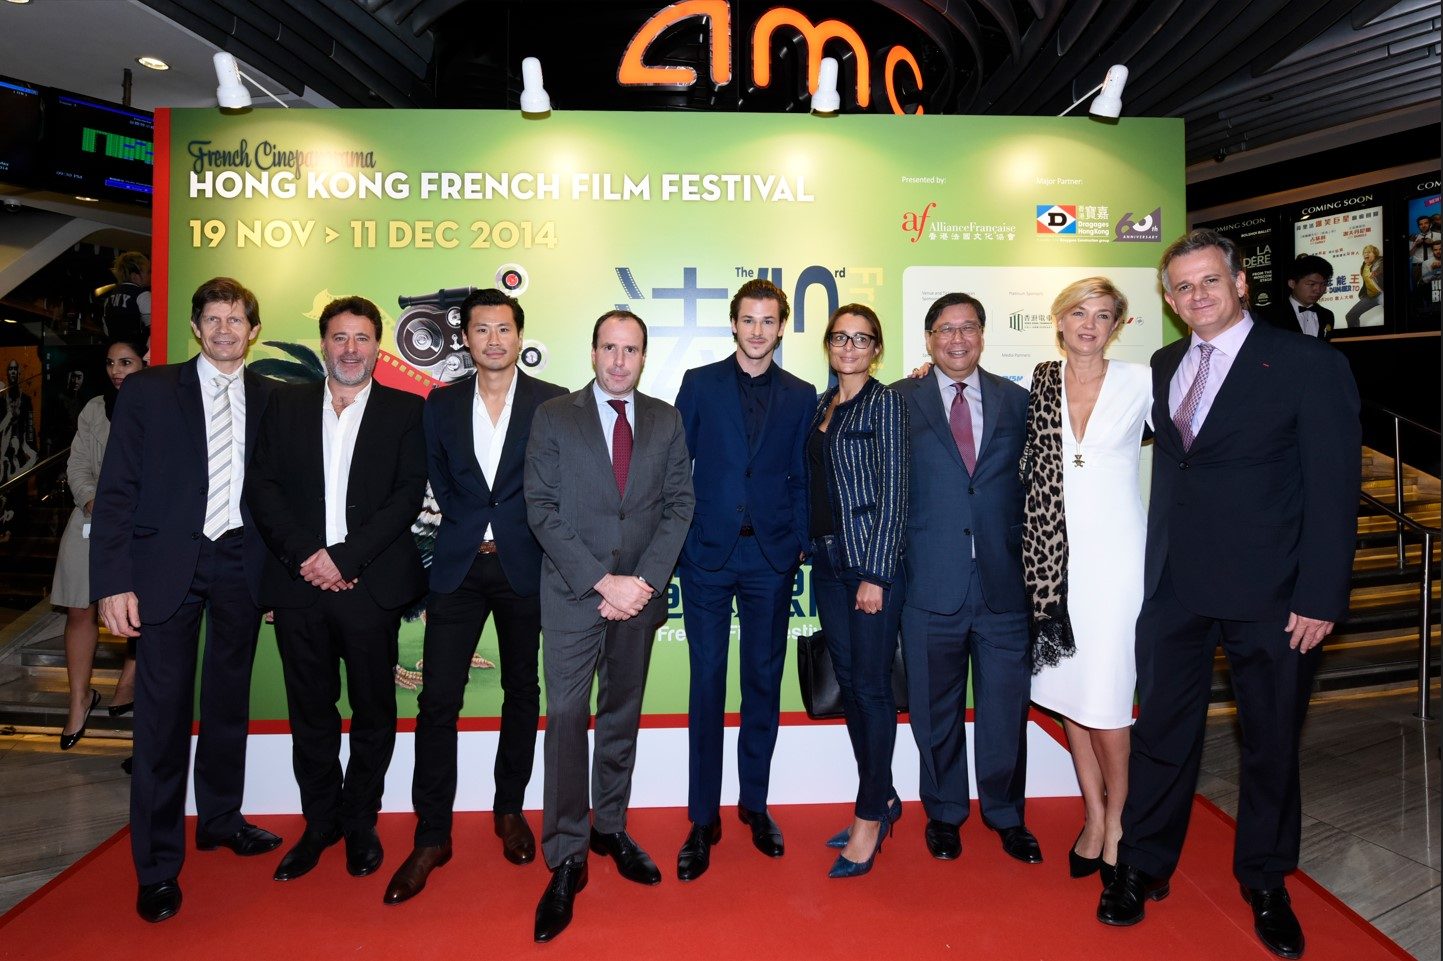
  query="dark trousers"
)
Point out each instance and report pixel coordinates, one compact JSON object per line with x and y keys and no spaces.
{"x":165,"y":674}
{"x":1174,"y":675}
{"x":453,"y":628}
{"x":862,"y":647}
{"x":615,"y":654}
{"x":341,"y":627}
{"x":763,"y":598}
{"x":940,"y":650}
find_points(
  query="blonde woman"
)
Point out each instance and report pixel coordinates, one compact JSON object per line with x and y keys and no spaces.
{"x":1370,"y":294}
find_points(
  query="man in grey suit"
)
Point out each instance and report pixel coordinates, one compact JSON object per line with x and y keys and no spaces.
{"x":609,"y":498}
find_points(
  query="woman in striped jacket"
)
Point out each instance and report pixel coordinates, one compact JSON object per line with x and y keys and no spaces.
{"x":857,"y":478}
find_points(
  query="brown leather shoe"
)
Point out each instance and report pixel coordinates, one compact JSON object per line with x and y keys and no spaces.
{"x":411,"y":876}
{"x":517,"y":841}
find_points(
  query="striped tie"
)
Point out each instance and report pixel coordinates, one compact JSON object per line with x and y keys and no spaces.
{"x":221,"y":444}
{"x":1187,"y":410}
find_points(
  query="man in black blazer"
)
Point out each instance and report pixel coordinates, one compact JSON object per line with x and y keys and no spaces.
{"x":171,"y":540}
{"x":1250,"y":539}
{"x":336,"y":480}
{"x":746,"y":421}
{"x":486,"y":564}
{"x":1308,"y":278}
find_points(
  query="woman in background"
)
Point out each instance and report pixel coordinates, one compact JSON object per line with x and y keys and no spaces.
{"x":857,"y":476}
{"x":71,"y":587}
{"x":1082,"y":551}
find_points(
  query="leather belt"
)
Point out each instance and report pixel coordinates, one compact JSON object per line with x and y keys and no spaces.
{"x":487,"y":547}
{"x":748,"y":531}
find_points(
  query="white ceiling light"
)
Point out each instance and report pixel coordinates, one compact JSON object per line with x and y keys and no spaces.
{"x":231,"y":94}
{"x":154,"y":63}
{"x":827,"y":101}
{"x":1108,"y":104}
{"x":535,"y":101}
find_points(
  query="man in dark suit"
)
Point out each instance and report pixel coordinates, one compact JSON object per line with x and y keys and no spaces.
{"x":171,"y":540}
{"x":609,"y":496}
{"x":1308,"y":278}
{"x":964,"y":505}
{"x":1250,"y":538}
{"x":486,"y":563}
{"x":335,"y":482}
{"x":746,"y":421}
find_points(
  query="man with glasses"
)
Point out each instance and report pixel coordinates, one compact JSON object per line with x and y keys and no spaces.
{"x":965,"y":503}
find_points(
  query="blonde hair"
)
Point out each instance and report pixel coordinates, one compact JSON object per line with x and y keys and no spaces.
{"x":1086,"y":289}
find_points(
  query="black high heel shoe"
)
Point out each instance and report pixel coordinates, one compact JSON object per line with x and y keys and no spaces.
{"x":894,"y":814}
{"x":115,"y":710}
{"x":1079,"y":866}
{"x":67,"y":741}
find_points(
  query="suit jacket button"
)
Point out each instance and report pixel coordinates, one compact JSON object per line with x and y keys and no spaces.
{"x":971,"y":490}
{"x":740,"y":508}
{"x":1182,"y":465}
{"x":967,"y":531}
{"x":749,"y":472}
{"x":492,"y":503}
{"x":615,"y":553}
{"x":621,"y":516}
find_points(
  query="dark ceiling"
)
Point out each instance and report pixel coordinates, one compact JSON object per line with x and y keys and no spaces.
{"x":1243,"y":73}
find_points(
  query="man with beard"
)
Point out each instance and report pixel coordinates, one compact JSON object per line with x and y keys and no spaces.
{"x":336,"y":480}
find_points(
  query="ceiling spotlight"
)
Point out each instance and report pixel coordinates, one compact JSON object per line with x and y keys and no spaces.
{"x":826,"y":101}
{"x":154,"y":63}
{"x":535,"y":101}
{"x":16,"y":2}
{"x":87,"y":200}
{"x":231,"y":94}
{"x":1108,"y":104}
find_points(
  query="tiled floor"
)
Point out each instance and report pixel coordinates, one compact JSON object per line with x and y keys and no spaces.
{"x":1371,"y":811}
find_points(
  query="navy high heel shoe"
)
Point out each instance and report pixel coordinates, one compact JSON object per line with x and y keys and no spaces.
{"x":843,"y":868}
{"x":67,"y":741}
{"x":894,"y":814}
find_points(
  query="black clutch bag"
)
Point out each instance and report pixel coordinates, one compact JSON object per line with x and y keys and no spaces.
{"x":821,"y":697}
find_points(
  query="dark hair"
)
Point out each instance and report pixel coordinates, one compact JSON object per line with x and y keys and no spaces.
{"x":224,"y":290}
{"x":1309,"y":264}
{"x":491,"y":297}
{"x":108,"y":390}
{"x":762,"y":290}
{"x":359,"y":306}
{"x":622,"y":314}
{"x":862,"y":311}
{"x":954,"y":300}
{"x":1193,"y":241}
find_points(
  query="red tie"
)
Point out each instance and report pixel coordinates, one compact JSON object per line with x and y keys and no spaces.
{"x":960,"y":419}
{"x":620,"y":445}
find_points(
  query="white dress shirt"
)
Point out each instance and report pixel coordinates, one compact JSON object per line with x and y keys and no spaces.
{"x":488,"y":438}
{"x":608,"y":413}
{"x":1227,"y":345}
{"x":207,"y":373}
{"x":1307,"y":317}
{"x":338,"y":444}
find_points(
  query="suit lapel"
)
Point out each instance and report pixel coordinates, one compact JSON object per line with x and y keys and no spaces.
{"x":929,"y":399}
{"x":523,"y":406}
{"x":588,"y":426}
{"x":1165,"y":368}
{"x":462,"y":410}
{"x":991,"y":410}
{"x":255,"y":408}
{"x":192,"y":408}
{"x":363,"y":459}
{"x":643,"y":434}
{"x":310,"y":439}
{"x":774,"y":388}
{"x":1240,"y":385}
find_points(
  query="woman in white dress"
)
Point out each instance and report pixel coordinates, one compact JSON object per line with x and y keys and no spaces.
{"x":71,"y":587}
{"x":1083,"y":551}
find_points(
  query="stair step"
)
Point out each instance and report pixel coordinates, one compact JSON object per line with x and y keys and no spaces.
{"x":50,"y":652}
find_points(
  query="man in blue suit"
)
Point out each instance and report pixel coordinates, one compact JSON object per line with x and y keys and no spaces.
{"x":486,"y":564}
{"x":966,"y":603}
{"x":746,"y":420}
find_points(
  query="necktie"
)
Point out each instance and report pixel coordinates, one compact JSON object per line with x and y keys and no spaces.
{"x":960,"y":419}
{"x":1188,"y":408}
{"x":620,"y":445}
{"x":221,"y":446}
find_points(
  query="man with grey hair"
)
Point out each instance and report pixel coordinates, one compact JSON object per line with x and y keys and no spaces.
{"x":1250,"y":539}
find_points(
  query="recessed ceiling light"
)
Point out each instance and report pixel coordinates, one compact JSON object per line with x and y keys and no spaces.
{"x":154,"y":63}
{"x":12,"y":320}
{"x":88,"y":200}
{"x":17,"y":2}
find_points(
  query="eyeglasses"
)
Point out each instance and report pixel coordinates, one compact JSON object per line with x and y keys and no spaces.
{"x":859,"y":340}
{"x":948,"y":331}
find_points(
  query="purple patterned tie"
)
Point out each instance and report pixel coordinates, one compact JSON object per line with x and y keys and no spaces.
{"x":1187,"y":410}
{"x":960,"y":419}
{"x":620,"y":445}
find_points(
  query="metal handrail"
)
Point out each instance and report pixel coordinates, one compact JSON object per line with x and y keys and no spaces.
{"x":35,"y":468}
{"x":1398,"y":421}
{"x":1425,"y":597}
{"x":1373,"y":405}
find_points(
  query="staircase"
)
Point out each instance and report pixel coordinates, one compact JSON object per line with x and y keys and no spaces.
{"x":1377,"y":646}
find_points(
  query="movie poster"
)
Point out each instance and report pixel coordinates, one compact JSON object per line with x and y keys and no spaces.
{"x":1349,"y":234}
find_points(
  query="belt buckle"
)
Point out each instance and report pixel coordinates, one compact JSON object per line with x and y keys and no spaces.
{"x":748,"y":531}
{"x":487,"y":547}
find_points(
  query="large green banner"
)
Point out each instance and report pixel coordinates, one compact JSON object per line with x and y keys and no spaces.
{"x":665,"y":214}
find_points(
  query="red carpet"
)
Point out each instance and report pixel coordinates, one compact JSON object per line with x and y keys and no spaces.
{"x":984,"y":906}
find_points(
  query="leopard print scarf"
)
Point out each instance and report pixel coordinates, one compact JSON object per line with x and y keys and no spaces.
{"x":1044,"y":537}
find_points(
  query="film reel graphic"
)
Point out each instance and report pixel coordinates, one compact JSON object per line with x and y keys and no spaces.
{"x":429,"y":330}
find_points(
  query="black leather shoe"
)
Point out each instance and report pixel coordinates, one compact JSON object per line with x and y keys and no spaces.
{"x":553,"y":914}
{"x":695,"y":856}
{"x":944,"y":840}
{"x":1019,"y":843}
{"x":411,"y":876}
{"x":304,"y":854}
{"x":363,"y":852}
{"x":67,"y":741}
{"x":1079,"y":866}
{"x":632,"y":862}
{"x":158,"y":901}
{"x":1273,"y":920}
{"x":766,"y":835}
{"x":1123,"y":900}
{"x":247,"y":842}
{"x":518,"y":844}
